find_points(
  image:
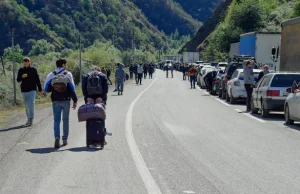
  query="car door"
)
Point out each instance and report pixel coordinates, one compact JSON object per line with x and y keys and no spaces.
{"x":231,"y":82}
{"x":262,"y":90}
{"x":255,"y":91}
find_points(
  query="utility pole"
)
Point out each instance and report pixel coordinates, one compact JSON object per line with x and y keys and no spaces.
{"x":133,"y":46}
{"x":80,"y":59}
{"x":12,"y":35}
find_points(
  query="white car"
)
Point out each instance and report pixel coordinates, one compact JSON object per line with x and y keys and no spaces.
{"x":292,"y":107}
{"x":222,"y":65}
{"x":205,"y":70}
{"x":235,"y":86}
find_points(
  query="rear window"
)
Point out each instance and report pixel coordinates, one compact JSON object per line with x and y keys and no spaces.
{"x":256,"y":74}
{"x":285,"y":80}
{"x":222,"y":65}
{"x":234,"y":67}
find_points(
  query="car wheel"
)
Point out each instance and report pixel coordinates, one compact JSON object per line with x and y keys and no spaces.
{"x":227,"y":97}
{"x":264,"y":112}
{"x":220,"y":93}
{"x":253,"y":109}
{"x":232,"y":99}
{"x":287,"y":119}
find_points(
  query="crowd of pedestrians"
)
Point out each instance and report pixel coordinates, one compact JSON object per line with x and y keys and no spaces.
{"x":140,"y":71}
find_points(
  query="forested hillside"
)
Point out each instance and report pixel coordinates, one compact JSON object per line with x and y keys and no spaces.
{"x":199,"y":9}
{"x":246,"y":16}
{"x":61,"y":22}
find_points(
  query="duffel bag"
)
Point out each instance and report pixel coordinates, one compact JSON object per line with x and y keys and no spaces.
{"x":91,"y":111}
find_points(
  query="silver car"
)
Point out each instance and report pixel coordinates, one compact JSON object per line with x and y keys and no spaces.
{"x":235,"y":86}
{"x":292,"y":107}
{"x":271,"y":93}
{"x":204,"y":71}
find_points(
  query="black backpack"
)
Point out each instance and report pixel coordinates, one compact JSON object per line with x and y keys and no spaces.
{"x":94,"y":84}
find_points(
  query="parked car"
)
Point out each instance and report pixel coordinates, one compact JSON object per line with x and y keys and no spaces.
{"x":235,"y":86}
{"x":200,"y":78}
{"x":292,"y":106}
{"x":200,"y":72}
{"x":227,"y":76}
{"x":222,"y":65}
{"x":270,"y":93}
{"x":216,"y":82}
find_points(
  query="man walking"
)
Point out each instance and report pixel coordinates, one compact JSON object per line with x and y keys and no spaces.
{"x":131,"y":71}
{"x":120,"y":78}
{"x":249,"y":81}
{"x":30,"y":80}
{"x":108,"y":73}
{"x":145,"y":69}
{"x":263,"y":73}
{"x":193,"y":72}
{"x":61,"y":85}
{"x":140,"y":74}
{"x":151,"y":71}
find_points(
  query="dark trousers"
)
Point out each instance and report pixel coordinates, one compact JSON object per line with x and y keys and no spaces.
{"x":167,"y":73}
{"x":131,"y":75}
{"x":184,"y":76}
{"x":140,"y":77}
{"x":150,"y":75}
{"x":193,"y":80}
{"x":145,"y":75}
{"x":109,"y":80}
{"x":136,"y":77}
{"x":249,"y":90}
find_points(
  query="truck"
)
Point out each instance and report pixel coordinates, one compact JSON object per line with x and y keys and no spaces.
{"x":290,"y":45}
{"x":259,"y":45}
{"x":234,"y":49}
{"x":190,"y":57}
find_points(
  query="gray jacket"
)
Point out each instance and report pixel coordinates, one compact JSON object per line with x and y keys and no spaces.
{"x":248,"y":74}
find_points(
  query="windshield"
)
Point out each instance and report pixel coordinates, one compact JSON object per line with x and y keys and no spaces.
{"x":285,"y":80}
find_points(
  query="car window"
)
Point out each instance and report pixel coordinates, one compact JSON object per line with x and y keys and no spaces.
{"x":285,"y":80}
{"x":266,"y":81}
{"x":256,"y":75}
{"x":235,"y":75}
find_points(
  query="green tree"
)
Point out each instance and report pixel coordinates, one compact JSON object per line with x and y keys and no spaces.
{"x":18,"y":53}
{"x":41,"y":47}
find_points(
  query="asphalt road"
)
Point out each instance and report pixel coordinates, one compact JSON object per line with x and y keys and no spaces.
{"x":167,"y":138}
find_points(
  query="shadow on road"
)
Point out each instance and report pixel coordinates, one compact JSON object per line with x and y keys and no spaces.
{"x":44,"y":150}
{"x":84,"y":149}
{"x":294,"y":127}
{"x":272,"y":117}
{"x":13,"y":128}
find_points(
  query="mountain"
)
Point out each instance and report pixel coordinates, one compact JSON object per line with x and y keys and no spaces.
{"x":199,"y":9}
{"x":147,"y":22}
{"x":61,"y":22}
{"x":168,"y":16}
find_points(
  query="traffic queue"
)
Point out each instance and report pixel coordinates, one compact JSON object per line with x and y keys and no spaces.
{"x":272,"y":91}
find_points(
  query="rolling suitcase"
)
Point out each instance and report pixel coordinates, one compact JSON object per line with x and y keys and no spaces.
{"x":95,"y":132}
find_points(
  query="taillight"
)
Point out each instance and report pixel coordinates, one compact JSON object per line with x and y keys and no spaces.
{"x":273,"y":93}
{"x":237,"y":83}
{"x":227,"y":80}
{"x":217,"y":81}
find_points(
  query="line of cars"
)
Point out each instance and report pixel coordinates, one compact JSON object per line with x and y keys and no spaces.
{"x":273,"y":92}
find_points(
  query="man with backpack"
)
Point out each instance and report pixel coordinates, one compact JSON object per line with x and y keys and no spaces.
{"x":30,"y":81}
{"x":120,"y":78}
{"x":151,"y":71}
{"x":95,"y":87}
{"x":61,"y":85}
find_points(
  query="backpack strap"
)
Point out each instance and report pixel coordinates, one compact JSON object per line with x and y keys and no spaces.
{"x":65,"y":73}
{"x":55,"y":73}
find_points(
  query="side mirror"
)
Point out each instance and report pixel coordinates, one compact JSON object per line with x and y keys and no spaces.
{"x":289,"y":90}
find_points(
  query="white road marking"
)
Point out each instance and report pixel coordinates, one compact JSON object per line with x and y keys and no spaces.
{"x":188,"y":192}
{"x":221,"y":101}
{"x":23,"y":143}
{"x":250,"y":116}
{"x":144,"y":172}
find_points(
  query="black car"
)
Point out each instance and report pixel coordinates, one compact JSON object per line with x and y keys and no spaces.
{"x":216,"y":82}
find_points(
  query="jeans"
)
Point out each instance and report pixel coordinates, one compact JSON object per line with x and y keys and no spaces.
{"x":249,"y":90}
{"x":145,"y":75}
{"x":64,"y":108}
{"x":184,"y":76}
{"x":120,"y":86}
{"x":29,"y":98}
{"x":150,"y":75}
{"x":140,"y":77}
{"x":193,"y":80}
